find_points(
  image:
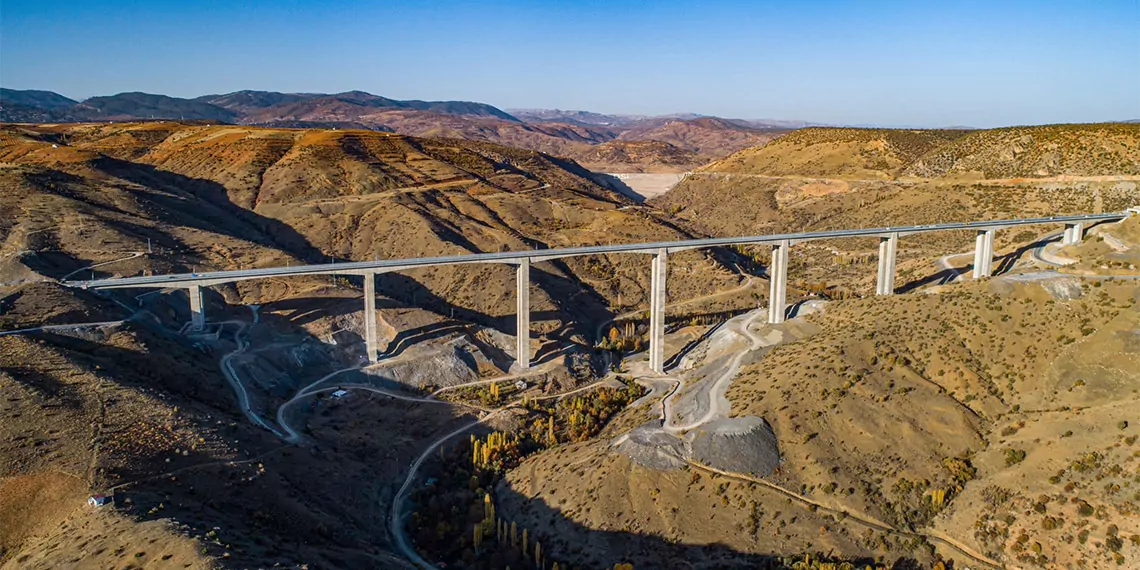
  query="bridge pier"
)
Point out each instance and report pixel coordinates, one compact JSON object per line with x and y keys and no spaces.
{"x":197,"y":310}
{"x":778,"y":282}
{"x":657,"y":311}
{"x":888,"y":250}
{"x":522,"y":314}
{"x":370,"y":340}
{"x":1074,"y":233}
{"x":984,"y":253}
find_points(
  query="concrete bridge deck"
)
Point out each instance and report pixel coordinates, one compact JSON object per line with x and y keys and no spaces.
{"x":193,"y":282}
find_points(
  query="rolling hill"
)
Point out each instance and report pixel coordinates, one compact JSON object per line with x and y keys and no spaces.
{"x":836,"y":153}
{"x":707,"y":137}
{"x":33,"y":98}
{"x":128,"y":106}
{"x":569,"y":134}
{"x":1106,"y":149}
{"x":314,"y":194}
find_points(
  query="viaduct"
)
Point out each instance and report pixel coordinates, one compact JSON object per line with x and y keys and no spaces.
{"x":778,"y":271}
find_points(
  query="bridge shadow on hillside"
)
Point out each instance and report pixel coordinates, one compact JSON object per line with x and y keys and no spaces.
{"x":1003,"y":264}
{"x":675,"y":360}
{"x":206,"y":205}
{"x":409,"y":337}
{"x":572,"y":544}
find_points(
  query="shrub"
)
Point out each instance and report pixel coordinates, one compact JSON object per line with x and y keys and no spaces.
{"x":1014,"y":456}
{"x":1084,"y":509}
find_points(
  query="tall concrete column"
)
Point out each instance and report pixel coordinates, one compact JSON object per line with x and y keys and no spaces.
{"x":657,"y":311}
{"x":522,"y":314}
{"x":888,"y":252}
{"x":990,"y":252}
{"x":1074,"y":233}
{"x":984,"y":253}
{"x":778,"y":283}
{"x":197,"y":310}
{"x":370,"y":340}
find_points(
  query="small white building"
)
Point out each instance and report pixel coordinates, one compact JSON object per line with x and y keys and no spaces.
{"x":520,"y":385}
{"x":99,"y":500}
{"x":340,"y":393}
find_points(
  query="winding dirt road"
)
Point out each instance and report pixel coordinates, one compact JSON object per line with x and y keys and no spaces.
{"x":717,"y":406}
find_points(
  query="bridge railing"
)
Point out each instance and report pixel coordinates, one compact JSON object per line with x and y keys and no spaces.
{"x":778,"y":271}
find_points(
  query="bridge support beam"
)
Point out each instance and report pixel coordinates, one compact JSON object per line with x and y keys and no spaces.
{"x":888,"y":250}
{"x":1074,"y":233}
{"x":984,"y":253}
{"x":522,"y":315}
{"x":657,"y":311}
{"x":778,"y":282}
{"x":370,"y":339}
{"x":197,"y":309}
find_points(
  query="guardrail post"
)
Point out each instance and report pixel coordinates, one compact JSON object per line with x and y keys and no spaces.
{"x":197,"y":310}
{"x":984,"y":253}
{"x":888,"y":250}
{"x":657,"y":311}
{"x":778,"y":282}
{"x":522,"y":315}
{"x":370,"y":341}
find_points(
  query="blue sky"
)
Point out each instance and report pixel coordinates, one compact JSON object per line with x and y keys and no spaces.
{"x":930,"y":63}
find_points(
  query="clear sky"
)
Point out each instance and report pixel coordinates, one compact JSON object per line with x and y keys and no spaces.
{"x":929,"y":63}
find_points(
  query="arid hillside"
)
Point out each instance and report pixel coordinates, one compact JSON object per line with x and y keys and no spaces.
{"x":568,"y":135}
{"x":626,"y":156}
{"x":836,"y":153}
{"x":819,"y":178}
{"x":1104,"y":149}
{"x":709,"y":137}
{"x":984,"y":423}
{"x":315,"y":195}
{"x":962,"y":423}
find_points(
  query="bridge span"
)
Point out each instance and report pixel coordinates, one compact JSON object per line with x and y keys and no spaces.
{"x":778,"y":271}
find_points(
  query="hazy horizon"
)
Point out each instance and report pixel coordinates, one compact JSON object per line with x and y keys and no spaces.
{"x":881,"y":63}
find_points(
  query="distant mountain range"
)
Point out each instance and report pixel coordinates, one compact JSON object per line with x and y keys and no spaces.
{"x":691,"y":139}
{"x":230,"y":107}
{"x":599,"y":119}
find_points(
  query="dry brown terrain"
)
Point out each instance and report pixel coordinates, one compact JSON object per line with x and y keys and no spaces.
{"x":1011,"y":400}
{"x":636,"y":156}
{"x":979,"y":422}
{"x":262,"y":197}
{"x":708,"y":137}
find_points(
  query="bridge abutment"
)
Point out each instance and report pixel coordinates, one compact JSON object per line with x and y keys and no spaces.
{"x":778,"y":282}
{"x":657,"y":311}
